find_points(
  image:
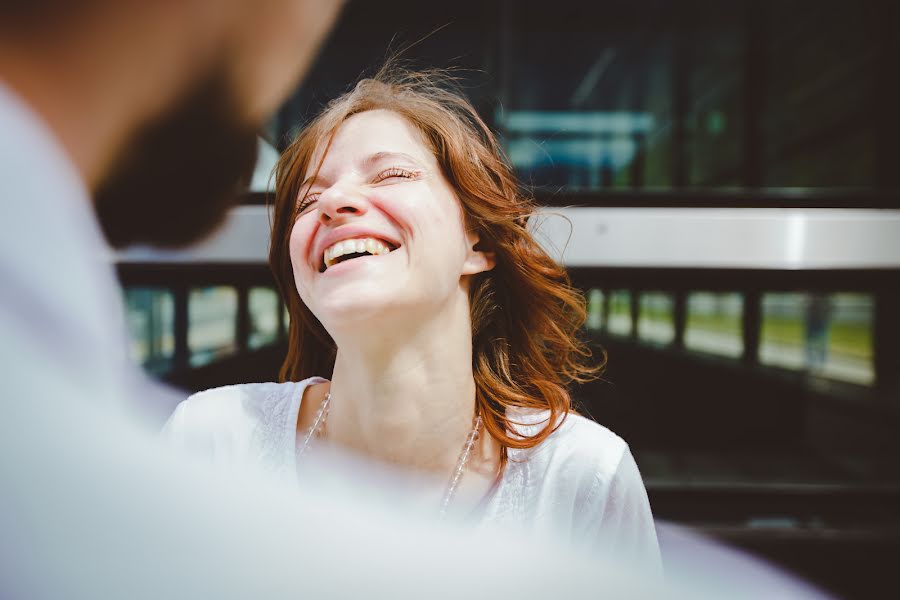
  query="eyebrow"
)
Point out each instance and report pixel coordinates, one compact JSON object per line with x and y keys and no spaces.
{"x":368,"y":162}
{"x":379,"y":156}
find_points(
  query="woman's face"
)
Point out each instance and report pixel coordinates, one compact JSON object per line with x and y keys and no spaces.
{"x":380,"y":231}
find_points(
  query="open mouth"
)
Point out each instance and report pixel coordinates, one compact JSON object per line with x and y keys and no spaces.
{"x":354,"y":248}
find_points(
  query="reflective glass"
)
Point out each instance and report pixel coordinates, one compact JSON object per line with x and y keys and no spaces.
{"x":714,"y":323}
{"x":644,"y":94}
{"x":584,"y":109}
{"x":594,"y":309}
{"x":829,"y":335}
{"x":264,"y":314}
{"x":619,"y":312}
{"x":713,"y":46}
{"x":783,"y":339}
{"x":818,"y":126}
{"x":848,"y":345}
{"x":212,"y":324}
{"x":150,"y":316}
{"x":655,"y":321}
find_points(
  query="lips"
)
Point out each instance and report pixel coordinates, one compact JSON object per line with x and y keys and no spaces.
{"x":347,"y":243}
{"x":353,"y":248}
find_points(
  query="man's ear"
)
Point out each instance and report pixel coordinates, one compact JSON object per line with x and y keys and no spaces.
{"x":481,"y":256}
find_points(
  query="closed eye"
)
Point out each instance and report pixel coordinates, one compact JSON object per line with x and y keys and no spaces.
{"x":308,"y":201}
{"x":391,"y":173}
{"x":395,"y":172}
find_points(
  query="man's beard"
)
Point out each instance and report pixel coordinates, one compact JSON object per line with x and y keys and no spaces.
{"x":175,"y":181}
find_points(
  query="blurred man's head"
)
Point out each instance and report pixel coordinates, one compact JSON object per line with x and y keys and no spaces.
{"x":176,"y":178}
{"x":203,"y":75}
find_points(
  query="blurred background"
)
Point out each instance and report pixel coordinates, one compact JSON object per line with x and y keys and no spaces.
{"x":719,"y":178}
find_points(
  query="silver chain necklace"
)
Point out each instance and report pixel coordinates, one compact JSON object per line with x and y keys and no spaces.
{"x":322,"y":416}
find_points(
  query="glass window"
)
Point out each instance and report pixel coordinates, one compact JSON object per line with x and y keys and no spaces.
{"x":588,"y":110}
{"x":827,"y":334}
{"x":460,"y":35}
{"x":848,"y":339}
{"x":593,"y":95}
{"x":782,"y":340}
{"x":714,"y":323}
{"x":212,"y":324}
{"x":151,"y":324}
{"x":655,"y":320}
{"x":594,"y":309}
{"x":264,"y":314}
{"x":818,"y":128}
{"x":713,"y":47}
{"x":619,"y":312}
{"x":585,"y":110}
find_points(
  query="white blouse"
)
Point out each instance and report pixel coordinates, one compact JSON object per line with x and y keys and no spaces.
{"x":581,"y":483}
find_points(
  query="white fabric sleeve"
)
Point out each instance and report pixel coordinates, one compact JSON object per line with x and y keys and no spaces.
{"x":173,"y":432}
{"x":626,"y":528}
{"x":214,"y":425}
{"x":191,"y":432}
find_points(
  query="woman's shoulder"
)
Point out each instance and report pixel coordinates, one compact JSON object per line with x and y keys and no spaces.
{"x":234,"y":412}
{"x":588,"y":478}
{"x":592,"y":436}
{"x":226,"y":402}
{"x":577,"y":444}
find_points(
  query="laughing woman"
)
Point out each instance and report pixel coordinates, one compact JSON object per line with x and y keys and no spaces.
{"x":447,"y":335}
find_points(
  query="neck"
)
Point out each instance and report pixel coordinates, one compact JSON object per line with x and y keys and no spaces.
{"x":407,"y":398}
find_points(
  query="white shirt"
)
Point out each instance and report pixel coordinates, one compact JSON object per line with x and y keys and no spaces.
{"x":94,"y":507}
{"x":581,"y":484}
{"x":59,"y":293}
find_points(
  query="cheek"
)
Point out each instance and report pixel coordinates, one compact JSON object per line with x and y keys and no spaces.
{"x":297,"y":247}
{"x":430,"y":211}
{"x":449,"y":225}
{"x":432,"y":218}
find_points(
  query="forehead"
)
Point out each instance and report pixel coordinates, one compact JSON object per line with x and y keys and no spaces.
{"x":368,"y":133}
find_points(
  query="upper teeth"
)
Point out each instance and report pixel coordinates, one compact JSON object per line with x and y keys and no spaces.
{"x":356,"y":245}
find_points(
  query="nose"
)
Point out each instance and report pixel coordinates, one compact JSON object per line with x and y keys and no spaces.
{"x":340,"y":202}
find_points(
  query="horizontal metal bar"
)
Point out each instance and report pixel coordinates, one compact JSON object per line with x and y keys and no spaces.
{"x":692,"y":198}
{"x":718,"y":198}
{"x":661,"y":238}
{"x":745,"y":238}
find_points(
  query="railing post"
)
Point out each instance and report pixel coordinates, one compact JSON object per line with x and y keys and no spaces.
{"x":635,"y":298}
{"x":242,"y":327}
{"x":886,"y":342}
{"x":181,"y":353}
{"x":679,"y":318}
{"x":751,"y":326}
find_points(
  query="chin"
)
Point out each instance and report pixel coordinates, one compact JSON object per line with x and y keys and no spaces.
{"x":350,"y":326}
{"x":352,"y":311}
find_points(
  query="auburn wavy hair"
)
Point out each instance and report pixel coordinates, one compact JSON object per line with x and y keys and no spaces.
{"x":526,"y":317}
